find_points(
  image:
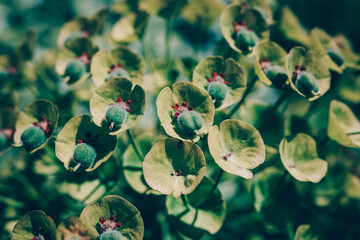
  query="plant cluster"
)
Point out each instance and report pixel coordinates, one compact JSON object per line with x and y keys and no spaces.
{"x":245,"y":126}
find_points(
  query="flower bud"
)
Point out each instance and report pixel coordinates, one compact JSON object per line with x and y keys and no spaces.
{"x":111,"y":235}
{"x":277,"y":75}
{"x":336,"y":58}
{"x":115,"y":116}
{"x":33,"y":137}
{"x":246,"y":39}
{"x":118,"y":72}
{"x":218,"y":90}
{"x":75,"y":69}
{"x":190,"y":121}
{"x":307,"y":84}
{"x":84,"y":154}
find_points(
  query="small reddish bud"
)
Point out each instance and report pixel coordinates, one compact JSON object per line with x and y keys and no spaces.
{"x":296,"y":67}
{"x":36,"y":124}
{"x":118,"y":224}
{"x":102,"y":220}
{"x":80,"y":141}
{"x":223,"y":75}
{"x":112,"y":67}
{"x":119,"y":65}
{"x":119,"y":100}
{"x":184,"y":104}
{"x":303,"y":68}
{"x":214,"y":74}
{"x":266,"y":59}
{"x":235,"y":24}
{"x":128,"y":102}
{"x":112,"y":218}
{"x":176,"y":115}
{"x":210,"y":79}
{"x":191,"y":108}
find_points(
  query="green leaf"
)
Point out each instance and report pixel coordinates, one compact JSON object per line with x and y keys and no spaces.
{"x":82,"y":128}
{"x":163,"y":8}
{"x":276,"y":56}
{"x":132,"y":226}
{"x":33,"y":112}
{"x":195,"y":97}
{"x":234,"y":75}
{"x":108,"y":93}
{"x":130,"y":27}
{"x":174,"y":167}
{"x":304,"y":232}
{"x":348,"y":87}
{"x":236,"y":147}
{"x":28,"y":226}
{"x":205,"y":210}
{"x":132,"y":63}
{"x":74,"y":228}
{"x":250,"y":16}
{"x":301,"y":160}
{"x":133,"y":165}
{"x":313,"y":63}
{"x":343,"y":126}
{"x":203,"y":12}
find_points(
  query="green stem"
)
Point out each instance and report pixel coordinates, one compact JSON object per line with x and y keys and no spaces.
{"x":353,"y":133}
{"x":278,"y":186}
{"x":147,"y":55}
{"x":266,"y":164}
{"x":167,"y":42}
{"x":136,"y":149}
{"x":183,"y":198}
{"x":247,"y":91}
{"x":218,"y":178}
{"x":280,"y":100}
{"x":92,"y":192}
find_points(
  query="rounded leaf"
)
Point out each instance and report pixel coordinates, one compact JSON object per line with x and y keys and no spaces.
{"x":343,"y":126}
{"x":32,"y":224}
{"x":40,"y":112}
{"x":74,"y":228}
{"x":174,"y":167}
{"x":104,"y":63}
{"x":269,"y":54}
{"x":130,"y":27}
{"x":82,"y":128}
{"x":132,"y":225}
{"x":108,"y":94}
{"x":234,"y":78}
{"x":312,"y":62}
{"x":304,"y":232}
{"x":301,"y":160}
{"x":236,"y":147}
{"x":205,"y":210}
{"x":252,"y":18}
{"x":196,"y":98}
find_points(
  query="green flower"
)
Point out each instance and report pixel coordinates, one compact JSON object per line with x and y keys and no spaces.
{"x":35,"y":125}
{"x":121,"y":62}
{"x":223,"y":80}
{"x":310,"y":76}
{"x":83,"y":145}
{"x":186,"y":111}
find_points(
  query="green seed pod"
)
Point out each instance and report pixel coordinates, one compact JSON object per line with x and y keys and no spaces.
{"x":84,"y":154}
{"x":336,"y":58}
{"x":3,"y":141}
{"x":246,"y":39}
{"x":111,"y":235}
{"x":277,"y":76}
{"x":115,"y":116}
{"x":218,"y":90}
{"x":190,"y":121}
{"x":33,"y":137}
{"x":75,"y":69}
{"x":118,"y":72}
{"x":307,"y":84}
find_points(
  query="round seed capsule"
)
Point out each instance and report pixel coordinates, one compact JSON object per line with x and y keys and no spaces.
{"x":307,"y":84}
{"x":336,"y":58}
{"x":84,"y":154}
{"x":115,"y":116}
{"x":75,"y":69}
{"x":218,"y":91}
{"x":277,"y":75}
{"x":111,"y":235}
{"x":3,"y":141}
{"x":246,"y":39}
{"x":118,"y":72}
{"x":190,"y":121}
{"x":33,"y":137}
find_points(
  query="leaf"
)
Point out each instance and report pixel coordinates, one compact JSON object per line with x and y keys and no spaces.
{"x":74,"y":228}
{"x":195,"y":97}
{"x":101,"y":62}
{"x":343,"y":126}
{"x":304,"y":232}
{"x":163,"y":8}
{"x":236,"y":147}
{"x":28,"y":226}
{"x":301,"y":160}
{"x":348,"y":87}
{"x":174,"y":167}
{"x":234,"y":74}
{"x":33,"y":112}
{"x":313,"y":64}
{"x":132,"y":225}
{"x":205,"y":210}
{"x":108,"y":93}
{"x":133,"y":165}
{"x":130,"y":27}
{"x":76,"y":129}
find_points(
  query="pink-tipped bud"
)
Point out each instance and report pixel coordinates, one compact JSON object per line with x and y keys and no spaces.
{"x":80,"y":141}
{"x":118,"y":224}
{"x":112,"y":67}
{"x":36,"y":124}
{"x":210,"y":79}
{"x":223,"y":75}
{"x":297,"y":67}
{"x":191,"y":108}
{"x":119,"y":100}
{"x":119,"y":65}
{"x":266,"y":59}
{"x":184,"y":104}
{"x":214,"y":74}
{"x":176,"y":115}
{"x":112,"y":218}
{"x":235,"y":24}
{"x":102,"y":220}
{"x":303,"y":68}
{"x":128,"y":102}
{"x":227,"y":83}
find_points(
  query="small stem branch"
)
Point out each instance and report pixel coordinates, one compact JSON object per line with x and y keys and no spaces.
{"x":247,"y":91}
{"x":183,"y":198}
{"x":353,"y":133}
{"x":218,"y":178}
{"x":167,"y":46}
{"x":136,"y":149}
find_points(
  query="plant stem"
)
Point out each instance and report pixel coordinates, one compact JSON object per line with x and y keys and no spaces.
{"x":279,"y":185}
{"x":353,"y":133}
{"x":167,"y":46}
{"x":280,"y":100}
{"x":136,"y":149}
{"x":183,"y":198}
{"x":218,"y":178}
{"x":247,"y":91}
